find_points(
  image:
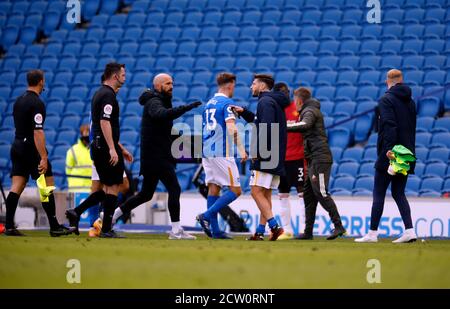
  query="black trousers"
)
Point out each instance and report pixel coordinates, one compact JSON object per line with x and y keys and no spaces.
{"x":316,"y":191}
{"x":165,"y":171}
{"x":398,"y":184}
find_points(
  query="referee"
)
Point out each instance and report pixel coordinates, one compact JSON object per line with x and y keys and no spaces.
{"x":28,"y":154}
{"x":106,"y":152}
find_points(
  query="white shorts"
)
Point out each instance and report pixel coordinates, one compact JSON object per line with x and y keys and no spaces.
{"x":221,"y":171}
{"x":265,"y":180}
{"x":95,"y":174}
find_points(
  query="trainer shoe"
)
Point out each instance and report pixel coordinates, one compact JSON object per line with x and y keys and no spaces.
{"x":74,"y":219}
{"x":304,"y":236}
{"x":336,"y":232}
{"x":13,"y":232}
{"x":276,"y":232}
{"x":60,"y":231}
{"x":222,"y":235}
{"x":372,"y":236}
{"x":408,"y":236}
{"x":204,"y":223}
{"x":181,"y":235}
{"x":256,"y":236}
{"x":286,"y":236}
{"x":110,"y":234}
{"x":98,"y":225}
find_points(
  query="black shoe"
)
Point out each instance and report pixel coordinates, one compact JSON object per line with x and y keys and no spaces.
{"x":74,"y":219}
{"x":304,"y":236}
{"x":204,"y":224}
{"x":110,"y":234}
{"x":335,"y":233}
{"x":256,"y":236}
{"x":13,"y":232}
{"x":60,"y":231}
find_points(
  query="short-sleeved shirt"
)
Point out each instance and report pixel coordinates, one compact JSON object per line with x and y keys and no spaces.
{"x":29,"y":115}
{"x":105,"y":107}
{"x":217,"y":112}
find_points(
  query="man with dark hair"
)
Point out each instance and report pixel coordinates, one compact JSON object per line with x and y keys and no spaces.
{"x":157,"y":161}
{"x":98,"y":194}
{"x":294,"y":166}
{"x":266,"y":171}
{"x":219,"y":134}
{"x":319,"y":159}
{"x":106,"y":151}
{"x":28,"y":154}
{"x":396,"y":126}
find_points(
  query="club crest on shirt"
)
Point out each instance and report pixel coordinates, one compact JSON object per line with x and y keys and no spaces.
{"x":107,"y":109}
{"x":38,"y":118}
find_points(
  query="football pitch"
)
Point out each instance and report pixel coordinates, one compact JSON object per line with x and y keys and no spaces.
{"x":153,"y":261}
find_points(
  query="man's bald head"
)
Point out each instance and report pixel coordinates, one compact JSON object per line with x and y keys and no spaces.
{"x":163,"y":83}
{"x":394,"y":77}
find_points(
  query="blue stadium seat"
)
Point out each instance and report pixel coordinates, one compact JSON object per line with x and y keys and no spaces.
{"x":370,"y":153}
{"x":109,"y":7}
{"x":367,"y":168}
{"x":423,"y":139}
{"x":421,"y":153}
{"x":344,"y":182}
{"x":435,"y":169}
{"x":429,"y":107}
{"x":129,"y":136}
{"x":439,"y":153}
{"x":364,"y":182}
{"x":348,"y":168}
{"x":431,"y":183}
{"x":339,"y":138}
{"x":363,"y":126}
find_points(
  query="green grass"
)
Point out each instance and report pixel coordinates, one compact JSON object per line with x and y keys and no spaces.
{"x":153,"y":261}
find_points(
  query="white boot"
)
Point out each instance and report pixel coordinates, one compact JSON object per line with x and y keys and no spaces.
{"x":408,"y":236}
{"x":372,"y":236}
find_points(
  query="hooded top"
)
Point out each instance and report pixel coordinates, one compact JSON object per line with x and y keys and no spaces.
{"x":156,"y":127}
{"x":270,"y":110}
{"x":396,"y":113}
{"x":312,"y":126}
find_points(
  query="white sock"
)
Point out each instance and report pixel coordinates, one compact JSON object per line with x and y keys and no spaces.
{"x":286,"y":214}
{"x":373,"y":233}
{"x":410,"y":231}
{"x":176,"y":227}
{"x":302,"y":214}
{"x":117,"y":214}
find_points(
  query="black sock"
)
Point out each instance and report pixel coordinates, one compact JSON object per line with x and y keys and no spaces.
{"x":109,"y":205}
{"x":11,"y":205}
{"x":92,"y":200}
{"x":50,"y":210}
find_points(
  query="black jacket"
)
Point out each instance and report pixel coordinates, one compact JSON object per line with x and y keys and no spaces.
{"x":396,"y":113}
{"x":156,"y":127}
{"x":312,"y":126}
{"x":270,"y":110}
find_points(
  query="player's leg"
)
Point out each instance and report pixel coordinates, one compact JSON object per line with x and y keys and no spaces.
{"x":56,"y":229}
{"x":320,"y":181}
{"x":381,"y":183}
{"x":398,"y":185}
{"x":17,"y":187}
{"x":220,"y":172}
{"x":285,"y":211}
{"x":145,"y":195}
{"x":213,"y":196}
{"x":109,"y":205}
{"x":169,"y":179}
{"x":310,"y":202}
{"x":261,"y":197}
{"x":95,"y":198}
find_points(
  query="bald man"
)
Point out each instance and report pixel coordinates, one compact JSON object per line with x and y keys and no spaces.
{"x":157,"y":162}
{"x":396,"y":126}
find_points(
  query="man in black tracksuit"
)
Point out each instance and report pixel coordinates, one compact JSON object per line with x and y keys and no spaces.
{"x":157,"y":161}
{"x":319,"y":158}
{"x":396,"y":126}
